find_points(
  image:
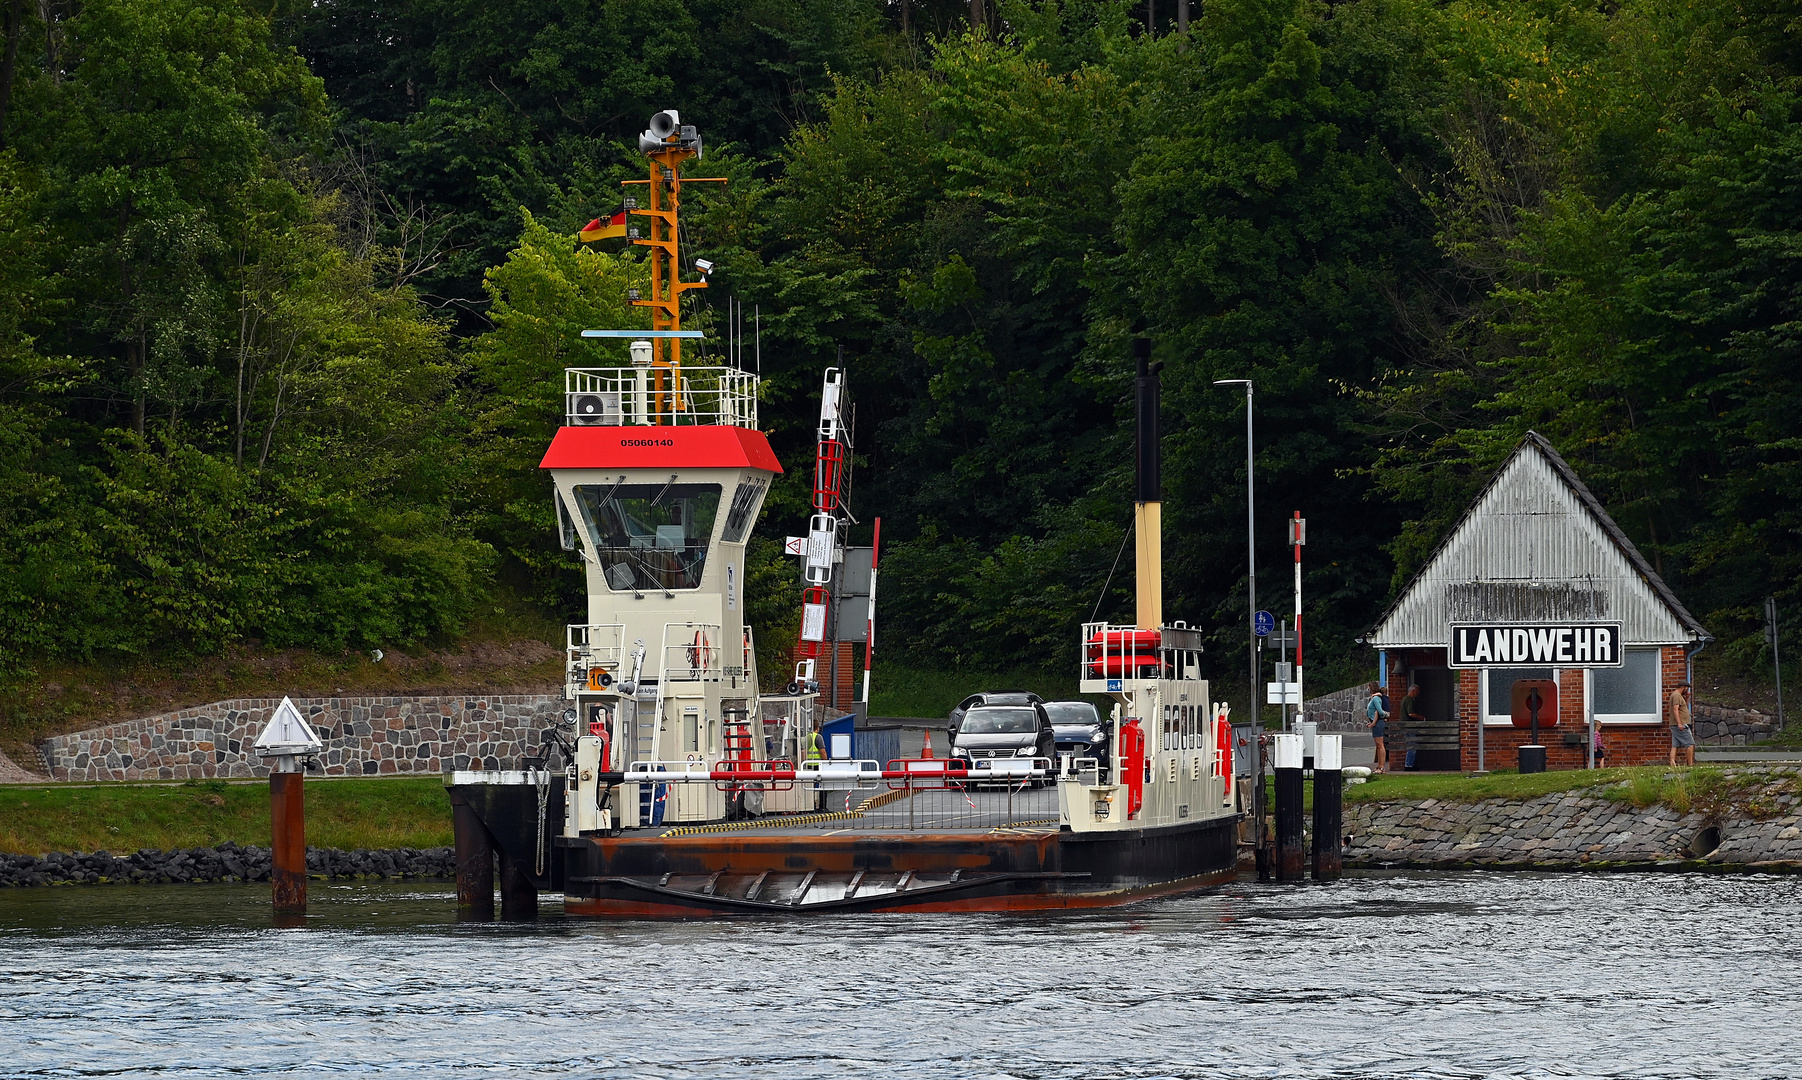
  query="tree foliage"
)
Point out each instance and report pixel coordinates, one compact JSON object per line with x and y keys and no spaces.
{"x":284,"y":298}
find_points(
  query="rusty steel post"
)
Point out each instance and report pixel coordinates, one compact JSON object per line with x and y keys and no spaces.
{"x":288,"y":841}
{"x":519,"y":893}
{"x":475,"y":862}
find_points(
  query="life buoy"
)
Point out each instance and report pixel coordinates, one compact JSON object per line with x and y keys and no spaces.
{"x":697,"y":650}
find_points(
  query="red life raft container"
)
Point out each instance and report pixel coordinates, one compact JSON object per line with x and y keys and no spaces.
{"x":1116,"y":653}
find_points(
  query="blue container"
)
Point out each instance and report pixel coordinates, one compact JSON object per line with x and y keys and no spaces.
{"x":839,"y":735}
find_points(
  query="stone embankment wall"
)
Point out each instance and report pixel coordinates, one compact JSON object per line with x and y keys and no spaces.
{"x":1342,"y":710}
{"x":1718,"y":726}
{"x":227,"y":862}
{"x":363,"y":736}
{"x":1579,"y":829}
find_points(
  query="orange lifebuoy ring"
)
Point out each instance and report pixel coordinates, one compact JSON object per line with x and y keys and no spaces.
{"x":697,"y":649}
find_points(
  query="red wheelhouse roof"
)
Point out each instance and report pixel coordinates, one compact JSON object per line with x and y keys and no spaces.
{"x":660,"y":447}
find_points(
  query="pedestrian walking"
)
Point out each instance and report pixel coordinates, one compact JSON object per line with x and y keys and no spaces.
{"x":1376,"y":711}
{"x":1598,"y":749}
{"x":1683,"y":736}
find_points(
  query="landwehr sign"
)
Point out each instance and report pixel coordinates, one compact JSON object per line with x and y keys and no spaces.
{"x":1574,"y":645}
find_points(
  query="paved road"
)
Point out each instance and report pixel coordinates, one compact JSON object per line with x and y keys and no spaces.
{"x":1737,"y":754}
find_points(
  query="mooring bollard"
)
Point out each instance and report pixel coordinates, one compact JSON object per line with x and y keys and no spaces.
{"x":288,"y":840}
{"x":475,"y":861}
{"x":1328,"y":787}
{"x":1286,"y":757}
{"x":286,"y":741}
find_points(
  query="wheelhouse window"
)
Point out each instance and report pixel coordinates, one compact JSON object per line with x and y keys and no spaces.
{"x":1627,"y":694}
{"x":1501,"y":689}
{"x":650,"y":536}
{"x":743,"y":512}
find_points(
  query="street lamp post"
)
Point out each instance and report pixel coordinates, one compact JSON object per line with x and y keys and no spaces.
{"x":1251,"y":615}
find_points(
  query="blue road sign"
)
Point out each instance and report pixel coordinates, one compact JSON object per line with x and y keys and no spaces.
{"x":1263,"y":622}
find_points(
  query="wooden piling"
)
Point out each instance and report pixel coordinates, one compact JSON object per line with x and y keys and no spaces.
{"x":288,"y":841}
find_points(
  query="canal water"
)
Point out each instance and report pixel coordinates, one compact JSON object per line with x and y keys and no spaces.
{"x":1399,"y":975}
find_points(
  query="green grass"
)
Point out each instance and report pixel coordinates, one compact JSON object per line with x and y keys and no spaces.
{"x":1507,"y":785}
{"x":387,"y":812}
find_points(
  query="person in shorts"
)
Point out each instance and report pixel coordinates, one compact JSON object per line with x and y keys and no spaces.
{"x":1683,"y":736}
{"x":1376,"y":710}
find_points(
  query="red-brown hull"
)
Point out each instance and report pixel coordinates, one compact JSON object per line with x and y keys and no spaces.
{"x":708,"y":876}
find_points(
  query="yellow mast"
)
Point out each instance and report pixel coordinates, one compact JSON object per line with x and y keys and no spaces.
{"x":668,"y":145}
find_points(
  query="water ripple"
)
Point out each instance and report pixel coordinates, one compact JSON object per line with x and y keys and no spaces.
{"x":1429,"y":976}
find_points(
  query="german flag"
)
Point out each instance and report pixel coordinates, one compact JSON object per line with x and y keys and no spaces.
{"x":604,"y":228}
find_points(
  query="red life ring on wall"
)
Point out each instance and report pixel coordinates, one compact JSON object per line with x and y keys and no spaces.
{"x":697,"y":650}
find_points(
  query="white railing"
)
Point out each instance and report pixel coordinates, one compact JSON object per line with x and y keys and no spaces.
{"x":692,"y":653}
{"x":658,"y":395}
{"x":591,"y":649}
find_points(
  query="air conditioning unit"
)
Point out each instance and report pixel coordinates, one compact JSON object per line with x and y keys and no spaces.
{"x":594,"y":410}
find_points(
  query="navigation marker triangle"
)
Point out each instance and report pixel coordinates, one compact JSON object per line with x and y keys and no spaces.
{"x":287,"y":733}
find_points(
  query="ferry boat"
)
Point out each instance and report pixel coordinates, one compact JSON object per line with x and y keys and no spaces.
{"x":677,"y":786}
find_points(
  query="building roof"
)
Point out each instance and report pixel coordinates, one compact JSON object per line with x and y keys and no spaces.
{"x":660,"y":446}
{"x":1535,"y":544}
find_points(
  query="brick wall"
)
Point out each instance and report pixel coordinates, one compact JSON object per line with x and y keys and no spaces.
{"x":363,"y":736}
{"x":1626,"y":744}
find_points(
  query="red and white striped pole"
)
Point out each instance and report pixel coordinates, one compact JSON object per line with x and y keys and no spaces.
{"x":1298,"y":536}
{"x":869,"y":638}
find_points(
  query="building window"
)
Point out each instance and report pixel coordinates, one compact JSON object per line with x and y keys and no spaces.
{"x":1627,"y":694}
{"x":1500,"y":689}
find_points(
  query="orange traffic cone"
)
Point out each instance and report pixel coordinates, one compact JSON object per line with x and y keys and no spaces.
{"x":926,"y":745}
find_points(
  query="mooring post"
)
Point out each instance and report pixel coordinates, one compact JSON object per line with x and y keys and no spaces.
{"x":475,"y":861}
{"x":1328,"y":787}
{"x":288,"y":837}
{"x":286,"y":742}
{"x":519,"y":893}
{"x":1287,"y":760}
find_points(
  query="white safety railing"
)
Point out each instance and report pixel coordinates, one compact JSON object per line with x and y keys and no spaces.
{"x":692,"y":653}
{"x":591,"y":651}
{"x":659,"y":395}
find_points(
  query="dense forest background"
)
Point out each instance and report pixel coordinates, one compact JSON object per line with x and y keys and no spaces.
{"x":284,"y":290}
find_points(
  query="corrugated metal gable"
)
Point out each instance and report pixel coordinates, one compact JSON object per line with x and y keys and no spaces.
{"x":1535,"y":545}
